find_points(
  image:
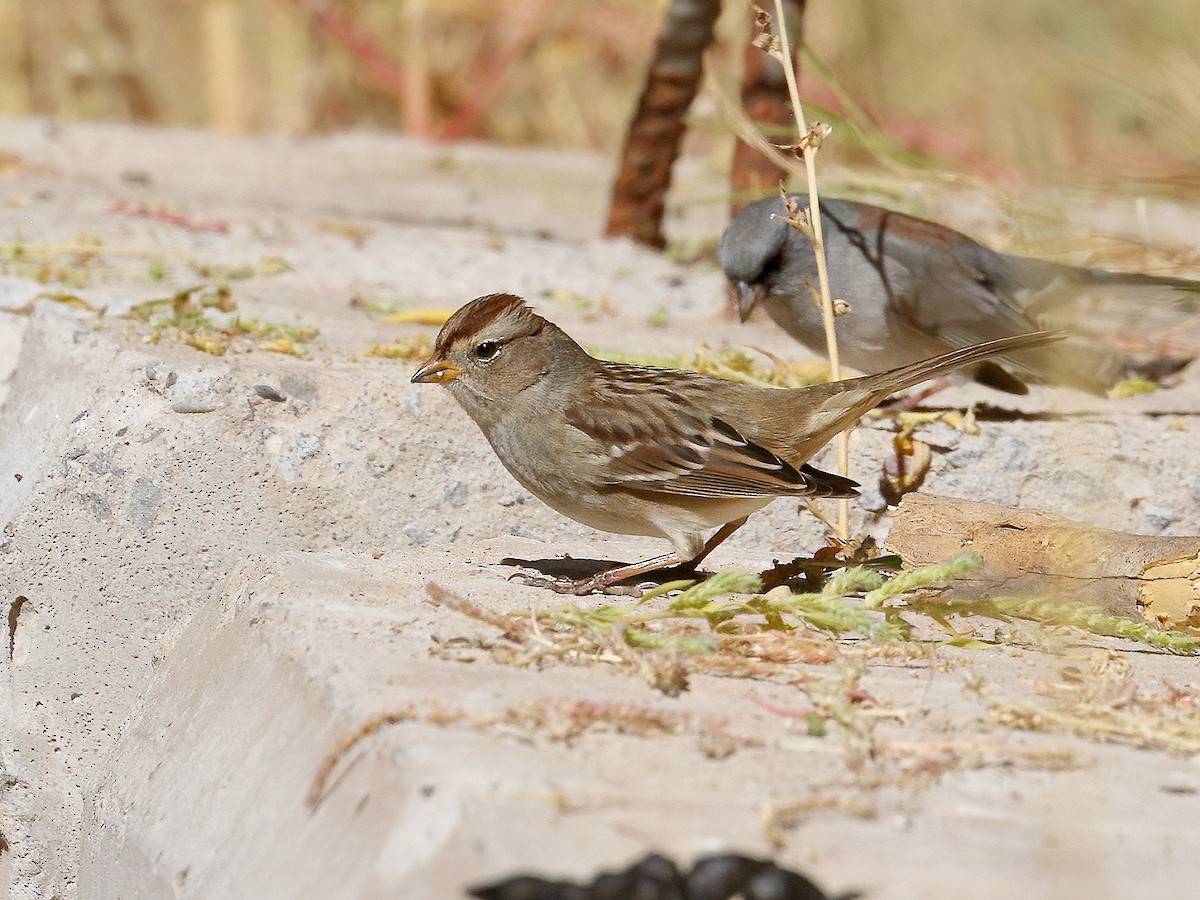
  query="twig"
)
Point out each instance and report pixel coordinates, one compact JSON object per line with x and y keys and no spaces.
{"x":765,"y":101}
{"x":807,"y":146}
{"x":377,"y":723}
{"x":489,"y":81}
{"x":141,"y":210}
{"x":387,"y":74}
{"x":744,"y":129}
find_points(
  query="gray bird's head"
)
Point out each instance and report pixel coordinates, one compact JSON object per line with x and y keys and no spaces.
{"x":750,"y":251}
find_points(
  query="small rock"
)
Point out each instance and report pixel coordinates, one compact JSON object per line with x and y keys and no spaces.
{"x":941,"y":435}
{"x":195,"y":405}
{"x":1014,"y":454}
{"x":518,"y":530}
{"x":97,"y":505}
{"x":269,"y":393}
{"x":1158,"y":517}
{"x":304,"y":446}
{"x":102,"y":464}
{"x":377,"y":468}
{"x":965,"y":456}
{"x":456,"y":493}
{"x":871,"y":498}
{"x":144,"y":501}
{"x":300,"y":388}
{"x":419,"y":536}
{"x":199,"y":390}
{"x":307,"y":445}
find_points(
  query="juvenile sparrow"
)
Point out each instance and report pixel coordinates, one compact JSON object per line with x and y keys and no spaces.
{"x":643,"y":450}
{"x":916,"y":289}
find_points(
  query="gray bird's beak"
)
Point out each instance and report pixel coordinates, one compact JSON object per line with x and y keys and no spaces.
{"x":436,"y":371}
{"x":747,"y":297}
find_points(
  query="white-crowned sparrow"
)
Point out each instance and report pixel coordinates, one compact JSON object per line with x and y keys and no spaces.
{"x":643,"y":450}
{"x":917,"y":289}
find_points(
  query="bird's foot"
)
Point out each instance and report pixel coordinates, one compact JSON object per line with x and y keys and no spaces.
{"x":579,"y":588}
{"x":621,"y":579}
{"x":914,"y":399}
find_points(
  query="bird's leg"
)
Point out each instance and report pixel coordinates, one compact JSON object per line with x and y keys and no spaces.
{"x":916,"y":398}
{"x":618,"y":574}
{"x":717,"y":540}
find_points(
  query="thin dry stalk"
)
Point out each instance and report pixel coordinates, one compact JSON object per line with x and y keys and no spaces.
{"x":809,"y":140}
{"x":744,"y":129}
{"x":387,"y":74}
{"x":416,"y":103}
{"x":754,"y":173}
{"x":226,"y":79}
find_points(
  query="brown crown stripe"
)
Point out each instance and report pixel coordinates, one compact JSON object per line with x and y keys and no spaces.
{"x":477,"y":315}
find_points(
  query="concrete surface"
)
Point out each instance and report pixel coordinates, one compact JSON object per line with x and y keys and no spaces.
{"x":206,"y":591}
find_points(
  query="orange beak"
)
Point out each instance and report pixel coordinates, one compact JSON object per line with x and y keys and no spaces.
{"x":436,"y":371}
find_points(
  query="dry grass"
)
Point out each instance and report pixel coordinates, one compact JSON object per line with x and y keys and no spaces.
{"x":1068,"y":84}
{"x":562,"y":721}
{"x":730,"y":625}
{"x":1104,"y":703}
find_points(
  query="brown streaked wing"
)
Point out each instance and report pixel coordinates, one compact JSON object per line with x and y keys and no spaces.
{"x":654,"y":437}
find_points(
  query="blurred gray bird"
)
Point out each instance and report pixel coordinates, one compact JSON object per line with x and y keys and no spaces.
{"x":917,"y":289}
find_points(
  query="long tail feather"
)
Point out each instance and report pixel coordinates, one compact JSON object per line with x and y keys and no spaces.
{"x":825,"y":409}
{"x":886,"y":383}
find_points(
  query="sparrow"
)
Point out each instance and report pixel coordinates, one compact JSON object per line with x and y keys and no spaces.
{"x":651,"y":451}
{"x":916,"y":289}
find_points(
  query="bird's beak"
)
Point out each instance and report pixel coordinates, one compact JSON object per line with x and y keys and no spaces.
{"x":747,"y":297}
{"x":436,"y":371}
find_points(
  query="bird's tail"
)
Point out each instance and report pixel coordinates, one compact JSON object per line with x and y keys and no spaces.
{"x":826,"y":484}
{"x":883,"y":385}
{"x":824,"y":410}
{"x":1147,"y":324}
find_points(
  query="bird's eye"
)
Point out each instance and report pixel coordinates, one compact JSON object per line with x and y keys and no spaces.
{"x":487,"y":351}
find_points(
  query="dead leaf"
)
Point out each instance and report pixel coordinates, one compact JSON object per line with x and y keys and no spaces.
{"x":419,"y":316}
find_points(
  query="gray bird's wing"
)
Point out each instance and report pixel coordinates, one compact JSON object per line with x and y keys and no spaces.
{"x":958,"y":290}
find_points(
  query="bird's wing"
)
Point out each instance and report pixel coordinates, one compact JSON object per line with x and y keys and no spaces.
{"x":651,"y":436}
{"x":960,"y":291}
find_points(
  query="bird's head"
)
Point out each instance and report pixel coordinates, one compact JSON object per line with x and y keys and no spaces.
{"x":494,"y":348}
{"x":750,"y":251}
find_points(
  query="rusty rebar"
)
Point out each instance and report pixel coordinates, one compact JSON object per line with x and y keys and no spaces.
{"x":652,"y":141}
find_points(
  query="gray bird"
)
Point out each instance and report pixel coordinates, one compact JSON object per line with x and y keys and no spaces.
{"x":917,"y":289}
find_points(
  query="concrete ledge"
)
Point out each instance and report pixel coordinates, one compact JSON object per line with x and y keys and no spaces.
{"x":205,"y":591}
{"x":204,"y":794}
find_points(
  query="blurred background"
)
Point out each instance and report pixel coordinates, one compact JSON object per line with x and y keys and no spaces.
{"x":1021,"y":92}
